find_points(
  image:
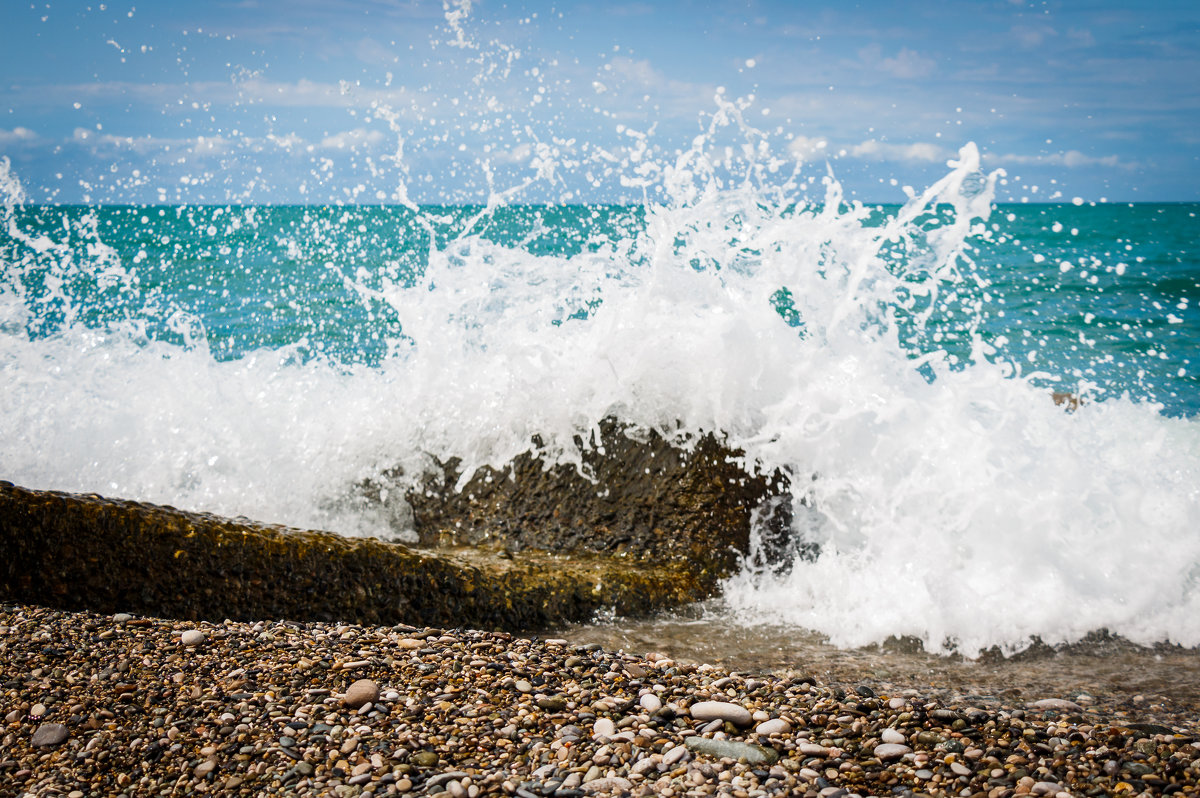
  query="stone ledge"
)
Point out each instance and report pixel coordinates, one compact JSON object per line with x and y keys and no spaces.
{"x":108,"y":555}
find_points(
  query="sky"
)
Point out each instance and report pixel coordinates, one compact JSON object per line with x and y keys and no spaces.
{"x":368,"y":101}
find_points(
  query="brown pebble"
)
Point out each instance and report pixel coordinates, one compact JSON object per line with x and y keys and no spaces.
{"x":363,"y":691}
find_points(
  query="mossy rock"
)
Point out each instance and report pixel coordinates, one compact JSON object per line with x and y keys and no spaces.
{"x":644,"y":498}
{"x":89,"y":552}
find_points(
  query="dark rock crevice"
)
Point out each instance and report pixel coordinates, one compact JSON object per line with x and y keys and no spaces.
{"x":646,"y":498}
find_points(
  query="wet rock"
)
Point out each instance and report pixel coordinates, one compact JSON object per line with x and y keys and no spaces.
{"x":608,"y":784}
{"x":1059,"y":704}
{"x":752,"y":754}
{"x":773,"y":726}
{"x":650,"y":702}
{"x":659,"y":502}
{"x":886,"y":752}
{"x":74,"y":551}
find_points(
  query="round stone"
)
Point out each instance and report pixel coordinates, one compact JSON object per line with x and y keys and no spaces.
{"x":721,"y":710}
{"x":773,"y":726}
{"x":614,"y":784}
{"x":364,"y":691}
{"x":425,"y":759}
{"x":893,"y":736}
{"x":192,"y":637}
{"x":603,"y":727}
{"x":204,"y":768}
{"x":650,"y":702}
{"x":886,"y":752}
{"x":48,"y":734}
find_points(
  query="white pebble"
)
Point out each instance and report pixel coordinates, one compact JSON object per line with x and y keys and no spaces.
{"x":650,"y":702}
{"x":192,"y":637}
{"x":889,"y":751}
{"x":775,"y":726}
{"x":721,"y":710}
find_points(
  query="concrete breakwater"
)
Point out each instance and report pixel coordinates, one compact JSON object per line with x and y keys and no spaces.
{"x":521,"y":550}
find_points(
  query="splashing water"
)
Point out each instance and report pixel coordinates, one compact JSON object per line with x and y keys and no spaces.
{"x":266,"y":361}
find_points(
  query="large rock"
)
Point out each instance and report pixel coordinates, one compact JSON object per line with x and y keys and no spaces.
{"x":647,"y":499}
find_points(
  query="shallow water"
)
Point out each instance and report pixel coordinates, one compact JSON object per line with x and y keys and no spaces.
{"x":1145,"y":683}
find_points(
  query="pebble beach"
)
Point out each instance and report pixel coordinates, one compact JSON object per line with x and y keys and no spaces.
{"x":118,"y":705}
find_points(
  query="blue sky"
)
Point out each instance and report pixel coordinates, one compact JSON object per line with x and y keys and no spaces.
{"x":368,"y":101}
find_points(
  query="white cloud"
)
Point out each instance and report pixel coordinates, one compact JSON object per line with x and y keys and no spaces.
{"x":18,"y":135}
{"x":804,"y":149}
{"x":519,"y":154}
{"x":908,"y":64}
{"x":918,"y":152}
{"x":142,"y":145}
{"x":1071,"y":159}
{"x":352,"y":139}
{"x":286,"y":142}
{"x":1029,"y":36}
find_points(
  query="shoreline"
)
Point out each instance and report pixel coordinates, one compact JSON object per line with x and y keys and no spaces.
{"x":100,"y":704}
{"x":1119,"y":678}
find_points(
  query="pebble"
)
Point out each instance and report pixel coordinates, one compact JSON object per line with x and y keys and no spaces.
{"x":48,"y":734}
{"x":650,"y":702}
{"x":775,"y":726}
{"x":753,"y":754}
{"x":1059,"y":704}
{"x":886,"y":752}
{"x":603,"y":727}
{"x":360,"y":693}
{"x":608,"y":784}
{"x":677,"y":754}
{"x":721,"y":710}
{"x":192,"y":637}
{"x":265,"y":708}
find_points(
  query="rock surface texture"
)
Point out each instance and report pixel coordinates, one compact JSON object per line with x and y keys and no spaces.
{"x":649,"y":500}
{"x":88,"y":552}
